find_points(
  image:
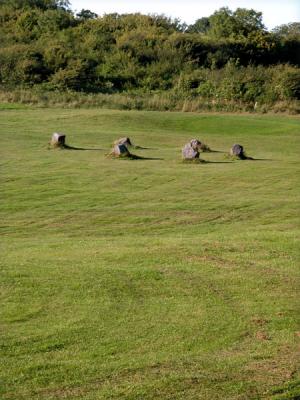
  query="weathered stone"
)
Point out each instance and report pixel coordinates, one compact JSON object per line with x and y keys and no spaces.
{"x":189,"y":153}
{"x":191,"y":150}
{"x":58,"y":140}
{"x":195,"y":144}
{"x":125,"y":140}
{"x":120,"y":150}
{"x":237,"y":150}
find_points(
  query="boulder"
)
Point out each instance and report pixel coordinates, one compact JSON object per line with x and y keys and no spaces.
{"x":191,"y":150}
{"x":120,"y":150}
{"x":237,"y":151}
{"x":200,"y":146}
{"x":125,"y":140}
{"x":58,"y":140}
{"x":195,"y":144}
{"x":189,"y":153}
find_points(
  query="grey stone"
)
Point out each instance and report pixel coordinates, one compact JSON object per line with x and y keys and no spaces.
{"x":196,"y":144}
{"x":58,"y":139}
{"x":191,"y":150}
{"x":125,"y":140}
{"x":237,"y":150}
{"x":120,"y":150}
{"x":189,"y":153}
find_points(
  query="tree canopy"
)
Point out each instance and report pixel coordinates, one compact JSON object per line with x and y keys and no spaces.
{"x":45,"y":43}
{"x":41,"y":4}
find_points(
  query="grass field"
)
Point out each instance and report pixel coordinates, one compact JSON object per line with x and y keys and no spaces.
{"x":148,"y":279}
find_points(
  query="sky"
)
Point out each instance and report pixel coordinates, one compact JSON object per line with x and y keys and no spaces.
{"x":275,"y":12}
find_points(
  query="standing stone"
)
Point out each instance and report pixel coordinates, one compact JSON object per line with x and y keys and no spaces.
{"x":125,"y":140}
{"x":58,"y":140}
{"x":188,"y":153}
{"x":237,"y":150}
{"x":195,"y":144}
{"x":191,"y":150}
{"x":120,"y":150}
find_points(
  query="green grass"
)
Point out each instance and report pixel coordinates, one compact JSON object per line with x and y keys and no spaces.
{"x":148,"y":279}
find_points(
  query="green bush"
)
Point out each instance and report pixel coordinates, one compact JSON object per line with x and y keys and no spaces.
{"x":227,"y":61}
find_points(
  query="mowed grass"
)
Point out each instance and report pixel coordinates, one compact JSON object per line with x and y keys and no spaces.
{"x":149,"y":279}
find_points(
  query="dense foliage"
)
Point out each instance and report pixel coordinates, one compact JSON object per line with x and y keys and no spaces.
{"x":228,"y":56}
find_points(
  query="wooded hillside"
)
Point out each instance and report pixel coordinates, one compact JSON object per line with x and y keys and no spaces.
{"x":229,"y":56}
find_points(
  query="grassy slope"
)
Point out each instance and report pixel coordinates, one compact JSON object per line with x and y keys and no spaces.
{"x":148,"y":279}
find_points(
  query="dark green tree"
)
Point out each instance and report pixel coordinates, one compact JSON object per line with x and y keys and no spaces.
{"x":83,"y":15}
{"x":239,"y":24}
{"x":42,"y":4}
{"x":288,"y":30}
{"x":202,"y":25}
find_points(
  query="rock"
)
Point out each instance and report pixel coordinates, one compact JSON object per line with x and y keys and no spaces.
{"x":58,"y":140}
{"x":195,"y":144}
{"x":200,"y":146}
{"x":191,"y":150}
{"x":189,"y":153}
{"x":120,"y":150}
{"x":238,"y":151}
{"x":125,"y":140}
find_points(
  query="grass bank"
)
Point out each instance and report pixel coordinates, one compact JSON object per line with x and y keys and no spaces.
{"x":160,"y":101}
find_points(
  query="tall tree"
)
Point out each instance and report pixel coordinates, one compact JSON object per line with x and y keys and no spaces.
{"x":201,"y":25}
{"x":287,"y":30}
{"x":42,"y":4}
{"x":86,"y":14}
{"x":225,"y":23}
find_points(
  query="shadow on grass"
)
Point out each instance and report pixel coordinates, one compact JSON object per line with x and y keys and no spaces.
{"x":245,"y":158}
{"x":218,"y":162}
{"x":151,"y":158}
{"x":135,"y":157}
{"x":214,"y":151}
{"x":67,"y":147}
{"x":143,"y":148}
{"x":252,"y":159}
{"x":198,"y":161}
{"x":261,"y":159}
{"x":131,"y":157}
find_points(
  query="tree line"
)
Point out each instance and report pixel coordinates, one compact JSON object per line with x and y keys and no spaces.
{"x":229,"y":55}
